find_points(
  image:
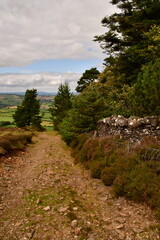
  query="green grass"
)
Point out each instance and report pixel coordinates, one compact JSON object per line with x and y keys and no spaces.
{"x":6,"y":116}
{"x":7,"y":113}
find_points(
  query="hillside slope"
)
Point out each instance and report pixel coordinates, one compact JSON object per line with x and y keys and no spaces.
{"x":45,"y":196}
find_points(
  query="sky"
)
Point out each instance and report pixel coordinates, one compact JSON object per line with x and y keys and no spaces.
{"x":44,"y":43}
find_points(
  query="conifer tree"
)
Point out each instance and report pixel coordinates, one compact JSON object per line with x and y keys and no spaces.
{"x":62,"y":103}
{"x":28,"y":113}
{"x":88,"y":77}
{"x":125,"y":39}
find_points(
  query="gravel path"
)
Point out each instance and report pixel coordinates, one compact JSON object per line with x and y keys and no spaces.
{"x":45,"y":196}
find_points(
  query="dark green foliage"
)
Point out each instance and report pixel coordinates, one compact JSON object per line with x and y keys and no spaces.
{"x":120,"y":101}
{"x":125,"y":41}
{"x":28,"y":113}
{"x":68,"y":130}
{"x":141,"y":99}
{"x":87,"y":109}
{"x":108,"y":175}
{"x":142,"y":185}
{"x":62,"y":103}
{"x":87,"y":78}
{"x":147,"y":91}
{"x":5,"y":123}
{"x":119,"y":185}
{"x":96,"y":168}
{"x":141,"y":96}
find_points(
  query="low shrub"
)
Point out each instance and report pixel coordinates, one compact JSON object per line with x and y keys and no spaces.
{"x":14,"y":140}
{"x":142,"y":184}
{"x":77,"y":145}
{"x":119,"y":185}
{"x":108,"y":175}
{"x":80,"y":140}
{"x":124,"y":163}
{"x":158,"y":213}
{"x":96,"y":168}
{"x":126,"y":171}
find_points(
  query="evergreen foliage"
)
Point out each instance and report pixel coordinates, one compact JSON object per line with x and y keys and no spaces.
{"x":88,"y":107}
{"x":62,"y":103}
{"x":28,"y":113}
{"x":87,"y":78}
{"x":145,"y":93}
{"x":125,"y":39}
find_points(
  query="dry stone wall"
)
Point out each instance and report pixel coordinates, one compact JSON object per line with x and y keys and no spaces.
{"x":129,"y":128}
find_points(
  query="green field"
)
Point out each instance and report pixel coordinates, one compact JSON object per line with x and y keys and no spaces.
{"x":46,"y":119}
{"x":7,"y":102}
{"x":6,"y":115}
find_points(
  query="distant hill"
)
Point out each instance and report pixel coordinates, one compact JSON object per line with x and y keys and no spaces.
{"x":22,"y":93}
{"x":46,"y":94}
{"x":15,"y":99}
{"x":9,"y":100}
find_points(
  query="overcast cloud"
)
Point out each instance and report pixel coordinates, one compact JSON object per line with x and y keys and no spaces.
{"x":44,"y":82}
{"x":50,"y":29}
{"x":43,"y":29}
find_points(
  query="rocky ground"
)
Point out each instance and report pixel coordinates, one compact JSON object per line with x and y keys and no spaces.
{"x":45,"y":196}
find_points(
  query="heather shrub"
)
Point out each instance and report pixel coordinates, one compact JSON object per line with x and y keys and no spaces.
{"x":119,"y":185}
{"x":148,"y":142}
{"x":143,"y":184}
{"x":14,"y":140}
{"x":108,"y":175}
{"x":80,"y":140}
{"x":158,"y":213}
{"x":96,"y":149}
{"x":83,"y":155}
{"x":126,"y":171}
{"x":5,"y":145}
{"x":77,"y":144}
{"x":124,"y":163}
{"x":96,"y":168}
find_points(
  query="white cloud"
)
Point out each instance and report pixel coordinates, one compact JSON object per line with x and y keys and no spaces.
{"x":50,"y":29}
{"x":46,"y":82}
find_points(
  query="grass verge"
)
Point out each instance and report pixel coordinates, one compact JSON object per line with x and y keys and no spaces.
{"x":14,"y":139}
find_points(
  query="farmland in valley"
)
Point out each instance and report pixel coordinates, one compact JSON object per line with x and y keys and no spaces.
{"x":9,"y":103}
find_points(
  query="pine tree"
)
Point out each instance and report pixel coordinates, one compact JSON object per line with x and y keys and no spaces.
{"x":28,"y":113}
{"x":125,"y":39}
{"x":88,"y":77}
{"x":62,"y":103}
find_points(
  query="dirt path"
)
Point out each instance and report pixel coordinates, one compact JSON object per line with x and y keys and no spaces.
{"x":44,"y":196}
